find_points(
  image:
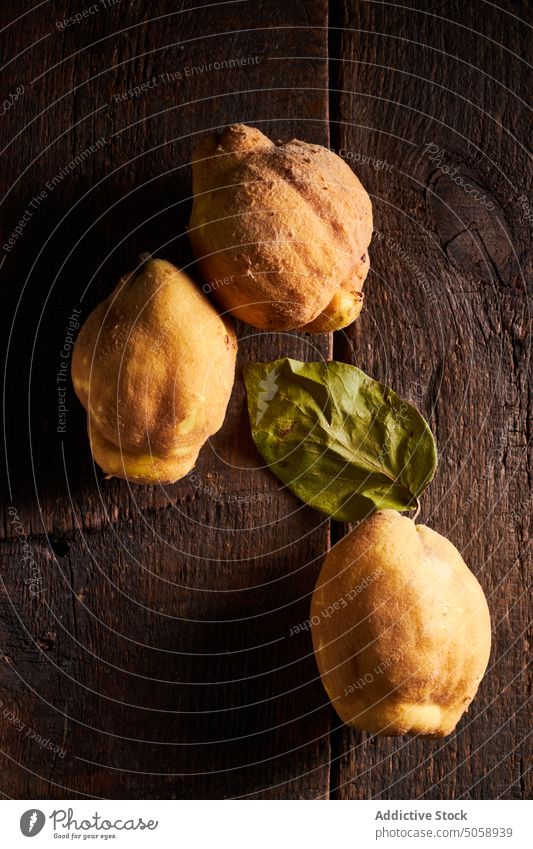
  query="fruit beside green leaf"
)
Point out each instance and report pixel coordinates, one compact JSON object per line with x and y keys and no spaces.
{"x":341,"y":441}
{"x":401,"y":628}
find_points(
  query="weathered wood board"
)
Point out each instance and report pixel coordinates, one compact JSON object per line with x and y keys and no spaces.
{"x":145,"y":633}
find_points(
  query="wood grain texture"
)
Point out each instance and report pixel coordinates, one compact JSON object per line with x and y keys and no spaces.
{"x":428,"y":100}
{"x":145,"y":633}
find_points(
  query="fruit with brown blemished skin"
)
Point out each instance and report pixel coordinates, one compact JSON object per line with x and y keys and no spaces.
{"x":154,"y":366}
{"x":401,"y":628}
{"x":288,"y":224}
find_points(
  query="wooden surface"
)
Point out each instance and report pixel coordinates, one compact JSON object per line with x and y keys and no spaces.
{"x":145,"y":632}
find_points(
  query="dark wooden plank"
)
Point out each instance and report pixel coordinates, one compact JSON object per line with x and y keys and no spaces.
{"x":132,"y":195}
{"x":147,"y":632}
{"x":446,"y":324}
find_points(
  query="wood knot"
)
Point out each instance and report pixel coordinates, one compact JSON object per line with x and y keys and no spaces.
{"x":469,"y":221}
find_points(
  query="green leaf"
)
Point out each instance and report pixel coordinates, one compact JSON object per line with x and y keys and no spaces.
{"x":342,"y":442}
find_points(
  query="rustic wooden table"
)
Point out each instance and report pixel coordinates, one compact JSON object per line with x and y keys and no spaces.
{"x":145,"y":646}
